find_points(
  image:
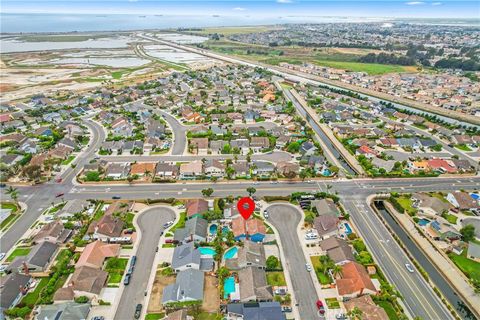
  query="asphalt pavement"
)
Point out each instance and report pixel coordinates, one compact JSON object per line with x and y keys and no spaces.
{"x":150,"y":223}
{"x":285,"y":219}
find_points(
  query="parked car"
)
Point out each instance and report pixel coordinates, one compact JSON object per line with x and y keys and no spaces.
{"x":58,"y":180}
{"x":169,"y":241}
{"x":309,"y":267}
{"x":280,"y":291}
{"x":320,"y":307}
{"x":126,"y":280}
{"x":3,"y":267}
{"x":168,"y":224}
{"x":286,"y":309}
{"x":116,"y":197}
{"x":133,"y":260}
{"x":409,"y":267}
{"x":265,"y":214}
{"x":61,"y":194}
{"x":2,"y":255}
{"x":311,"y":236}
{"x":98,"y":318}
{"x":138,"y":311}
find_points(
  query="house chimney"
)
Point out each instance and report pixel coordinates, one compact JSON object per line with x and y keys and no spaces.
{"x":25,"y":268}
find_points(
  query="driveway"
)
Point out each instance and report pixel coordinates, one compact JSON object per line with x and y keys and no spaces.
{"x":150,"y":223}
{"x":285,"y":219}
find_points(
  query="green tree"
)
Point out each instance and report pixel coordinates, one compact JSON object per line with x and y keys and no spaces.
{"x":251,"y":191}
{"x":355,"y":314}
{"x":207,"y":192}
{"x":13,"y":193}
{"x":468,"y":232}
{"x":272,"y":263}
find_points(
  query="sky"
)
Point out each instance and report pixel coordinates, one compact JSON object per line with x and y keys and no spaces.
{"x":252,"y":8}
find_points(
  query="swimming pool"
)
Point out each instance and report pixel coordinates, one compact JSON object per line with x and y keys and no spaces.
{"x":348,"y":230}
{"x":228,"y":287}
{"x":213,"y":229}
{"x":423,"y":222}
{"x":207,"y":251}
{"x":326,"y":173}
{"x":475,"y":196}
{"x":225,"y":229}
{"x":230,"y":253}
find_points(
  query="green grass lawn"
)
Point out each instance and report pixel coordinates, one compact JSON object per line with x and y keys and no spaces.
{"x":8,"y":220}
{"x":154,"y":316}
{"x":11,"y":206}
{"x":332,"y":303}
{"x":31,"y":298}
{"x":276,"y":278}
{"x":68,"y":160}
{"x":450,"y":218}
{"x":115,"y":268}
{"x":389,"y":309}
{"x":18,"y":252}
{"x":180,"y":223}
{"x":168,"y":245}
{"x":469,"y":267}
{"x":370,"y":68}
{"x":322,"y":278}
{"x":463,"y":147}
{"x":406,"y":204}
{"x":209,"y":316}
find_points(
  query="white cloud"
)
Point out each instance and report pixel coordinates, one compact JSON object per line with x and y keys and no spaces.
{"x":436,"y":3}
{"x":284,"y":1}
{"x":414,"y":3}
{"x":239,"y":9}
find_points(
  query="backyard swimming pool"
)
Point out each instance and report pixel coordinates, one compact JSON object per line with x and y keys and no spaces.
{"x":213,"y":229}
{"x":348,"y":229}
{"x":228,"y":287}
{"x":423,"y":222}
{"x":207,"y":251}
{"x":230,"y":253}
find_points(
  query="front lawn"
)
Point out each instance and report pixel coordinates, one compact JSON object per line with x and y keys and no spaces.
{"x":115,"y":268}
{"x":180,"y":223}
{"x":317,"y":267}
{"x":463,"y":147}
{"x":32,"y":297}
{"x":450,"y":218}
{"x":469,"y":267}
{"x":276,"y":278}
{"x":332,"y":303}
{"x":405,"y":202}
{"x":68,"y":160}
{"x":154,"y":316}
{"x":20,"y":251}
{"x":389,"y":309}
{"x":209,"y":316}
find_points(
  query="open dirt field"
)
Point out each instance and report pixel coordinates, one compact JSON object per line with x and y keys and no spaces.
{"x":160,"y":282}
{"x":211,"y":298}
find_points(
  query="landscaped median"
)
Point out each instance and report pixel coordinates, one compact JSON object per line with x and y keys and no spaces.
{"x":12,"y":213}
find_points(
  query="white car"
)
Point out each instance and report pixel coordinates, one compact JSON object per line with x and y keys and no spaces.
{"x":309,"y":267}
{"x":168,"y":224}
{"x":3,"y":267}
{"x":265,"y":214}
{"x":311,"y":236}
{"x":2,"y":255}
{"x":409,"y":267}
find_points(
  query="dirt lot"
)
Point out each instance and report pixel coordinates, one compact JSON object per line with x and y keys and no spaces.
{"x":160,"y":282}
{"x":211,"y":295}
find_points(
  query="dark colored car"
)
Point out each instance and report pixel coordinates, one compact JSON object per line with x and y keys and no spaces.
{"x":138,"y":311}
{"x":116,"y":197}
{"x":320,"y":307}
{"x":61,"y":194}
{"x":133,"y":261}
{"x":126,"y":281}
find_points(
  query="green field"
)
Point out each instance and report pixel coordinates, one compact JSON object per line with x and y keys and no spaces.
{"x":276,"y":278}
{"x":469,"y":267}
{"x":370,"y":68}
{"x":18,"y":252}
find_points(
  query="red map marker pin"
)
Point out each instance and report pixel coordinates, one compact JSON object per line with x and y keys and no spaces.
{"x":246,"y":206}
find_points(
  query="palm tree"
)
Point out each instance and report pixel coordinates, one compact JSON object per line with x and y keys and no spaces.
{"x":336,"y":270}
{"x":13,"y":193}
{"x":355,"y":313}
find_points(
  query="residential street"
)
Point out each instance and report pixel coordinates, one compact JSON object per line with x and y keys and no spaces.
{"x":151,"y":225}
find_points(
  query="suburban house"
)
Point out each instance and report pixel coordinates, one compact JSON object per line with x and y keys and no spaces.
{"x":63,"y":311}
{"x":253,"y":285}
{"x":166,"y":170}
{"x":354,"y":281}
{"x":12,"y":288}
{"x":196,"y":207}
{"x":253,"y":229}
{"x":473,"y":251}
{"x":338,"y":250}
{"x":462,"y":200}
{"x":195,"y":230}
{"x":53,"y":232}
{"x":191,"y":170}
{"x":258,"y":310}
{"x":442,"y":231}
{"x":259,"y":144}
{"x":430,"y":206}
{"x":188,"y":286}
{"x":37,"y":260}
{"x":95,"y":254}
{"x":199,"y":145}
{"x":186,"y":257}
{"x":368,"y":308}
{"x":252,"y":254}
{"x":117,"y":171}
{"x":107,"y":227}
{"x":143,"y":169}
{"x":88,"y":281}
{"x":214,"y":168}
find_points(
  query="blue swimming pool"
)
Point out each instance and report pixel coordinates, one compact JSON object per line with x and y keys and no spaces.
{"x":213,"y":229}
{"x":348,"y":229}
{"x":230,"y":253}
{"x":326,"y":173}
{"x":475,"y":196}
{"x":206,"y":251}
{"x":225,"y":230}
{"x":228,"y":287}
{"x":423,"y":222}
